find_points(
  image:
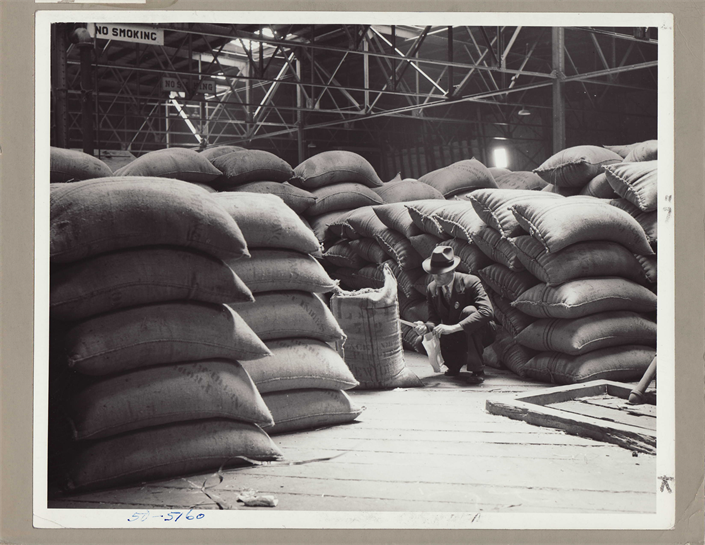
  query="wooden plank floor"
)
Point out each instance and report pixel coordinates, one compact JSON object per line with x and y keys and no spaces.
{"x":423,"y":449}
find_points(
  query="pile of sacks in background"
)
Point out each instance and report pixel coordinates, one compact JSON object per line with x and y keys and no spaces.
{"x":184,"y":322}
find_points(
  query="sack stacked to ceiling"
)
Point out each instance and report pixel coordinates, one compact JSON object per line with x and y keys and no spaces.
{"x":303,"y":382}
{"x":139,"y":285}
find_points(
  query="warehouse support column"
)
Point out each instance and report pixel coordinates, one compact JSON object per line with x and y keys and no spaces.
{"x":300,"y":114}
{"x":59,"y":84}
{"x":558,"y":98}
{"x":84,"y":41}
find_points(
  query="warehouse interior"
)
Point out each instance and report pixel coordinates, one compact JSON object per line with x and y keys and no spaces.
{"x":512,"y":145}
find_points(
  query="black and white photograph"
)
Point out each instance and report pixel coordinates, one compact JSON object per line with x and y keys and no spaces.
{"x":354,"y":270}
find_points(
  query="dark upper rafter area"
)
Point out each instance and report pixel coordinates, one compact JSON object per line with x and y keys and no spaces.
{"x":273,"y":82}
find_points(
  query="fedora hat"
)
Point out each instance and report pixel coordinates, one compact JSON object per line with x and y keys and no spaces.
{"x":442,"y":260}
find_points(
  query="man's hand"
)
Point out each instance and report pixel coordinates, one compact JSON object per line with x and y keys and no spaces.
{"x":444,"y":329}
{"x":420,"y":328}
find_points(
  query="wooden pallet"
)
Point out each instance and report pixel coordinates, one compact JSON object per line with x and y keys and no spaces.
{"x":597,"y":409}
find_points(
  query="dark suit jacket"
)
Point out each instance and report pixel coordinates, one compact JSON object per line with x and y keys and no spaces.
{"x":469,"y":307}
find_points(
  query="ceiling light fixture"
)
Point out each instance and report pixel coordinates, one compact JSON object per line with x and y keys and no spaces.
{"x":524,"y":111}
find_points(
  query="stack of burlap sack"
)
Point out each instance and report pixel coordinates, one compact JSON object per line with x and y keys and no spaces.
{"x":147,"y":349}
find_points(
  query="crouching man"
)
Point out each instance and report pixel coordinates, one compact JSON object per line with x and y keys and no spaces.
{"x":460,"y":314}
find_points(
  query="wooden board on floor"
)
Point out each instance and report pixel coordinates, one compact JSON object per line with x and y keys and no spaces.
{"x":561,"y":407}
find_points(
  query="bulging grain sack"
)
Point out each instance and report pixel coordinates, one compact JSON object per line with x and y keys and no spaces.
{"x":507,"y":283}
{"x":213,"y":152}
{"x":396,"y":217}
{"x":647,"y":220}
{"x":558,"y":223}
{"x":649,"y":267}
{"x":643,"y":151}
{"x":576,"y":166}
{"x":399,"y":249}
{"x":362,"y":222}
{"x":580,"y":260}
{"x":422,"y":214}
{"x":562,"y":191}
{"x":492,"y":206}
{"x":512,"y":319}
{"x":636,"y":182}
{"x":342,"y":255}
{"x":369,"y":250}
{"x":515,"y":357}
{"x":267,"y":222}
{"x":589,"y":333}
{"x":619,"y":363}
{"x":242,"y":167}
{"x":599,"y":187}
{"x":460,"y":177}
{"x":296,"y":410}
{"x":290,"y":315}
{"x":141,"y":276}
{"x":166,"y":394}
{"x":411,"y":340}
{"x":407,"y":190}
{"x":497,"y":248}
{"x":407,"y":279}
{"x":108,"y":214}
{"x":295,"y":198}
{"x":300,"y":364}
{"x":336,"y":166}
{"x":621,"y":150}
{"x":160,"y":334}
{"x":458,"y":219}
{"x":373,"y":350}
{"x":520,"y":180}
{"x":67,"y":165}
{"x":424,"y":244}
{"x":585,"y":296}
{"x":168,"y":451}
{"x":278,"y":270}
{"x":179,"y":163}
{"x":342,"y":196}
{"x":472,"y":258}
{"x":329,"y":227}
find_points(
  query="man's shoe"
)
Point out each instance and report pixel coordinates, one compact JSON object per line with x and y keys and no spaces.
{"x":452,"y":372}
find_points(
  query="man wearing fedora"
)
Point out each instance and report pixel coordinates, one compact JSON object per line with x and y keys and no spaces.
{"x":460,"y":314}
